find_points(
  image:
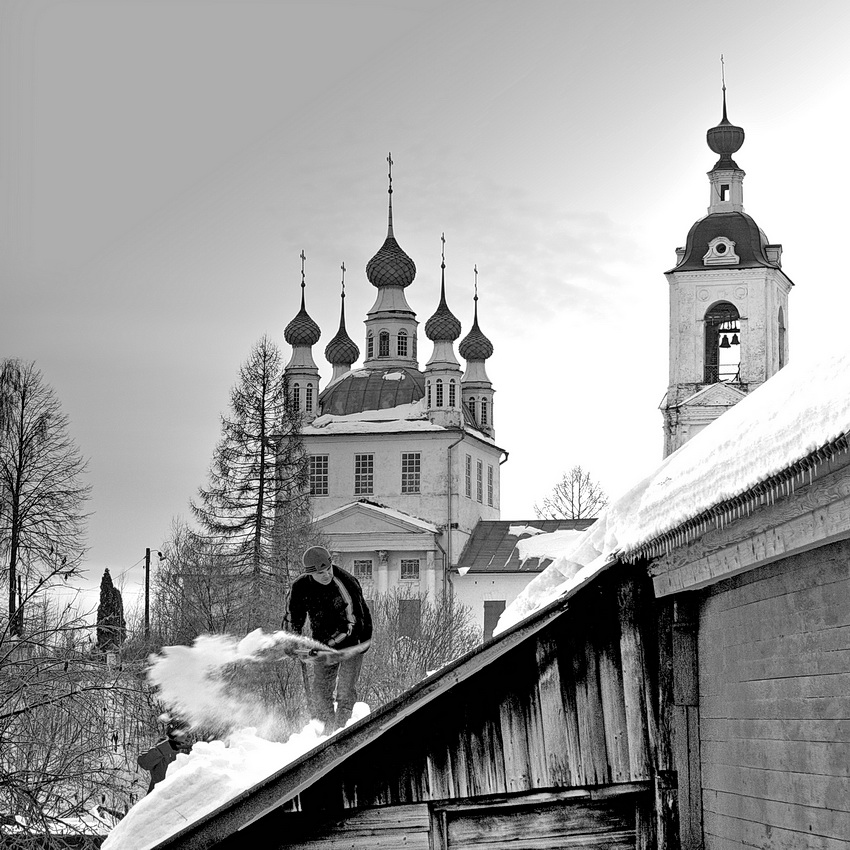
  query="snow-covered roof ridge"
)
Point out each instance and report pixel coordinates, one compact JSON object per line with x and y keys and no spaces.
{"x":765,"y":444}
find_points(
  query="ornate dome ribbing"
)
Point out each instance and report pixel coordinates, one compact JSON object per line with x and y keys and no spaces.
{"x":725,"y":139}
{"x":475,"y":346}
{"x":342,"y":350}
{"x":443,"y":326}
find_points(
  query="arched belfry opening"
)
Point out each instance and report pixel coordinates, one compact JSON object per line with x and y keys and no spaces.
{"x":722,"y":344}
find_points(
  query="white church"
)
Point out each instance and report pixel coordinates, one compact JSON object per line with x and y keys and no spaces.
{"x":404,"y":463}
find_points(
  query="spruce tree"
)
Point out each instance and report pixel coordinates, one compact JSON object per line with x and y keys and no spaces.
{"x":111,"y":627}
{"x":255,"y":501}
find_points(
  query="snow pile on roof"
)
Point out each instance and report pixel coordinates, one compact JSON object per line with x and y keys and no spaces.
{"x":412,"y":410}
{"x":799,"y":410}
{"x":519,"y":530}
{"x":402,"y":417}
{"x":542,"y":545}
{"x":394,"y":376}
{"x":213,"y":773}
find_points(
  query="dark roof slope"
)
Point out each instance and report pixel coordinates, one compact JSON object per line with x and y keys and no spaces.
{"x":369,"y":389}
{"x":492,"y":548}
{"x":741,"y":228}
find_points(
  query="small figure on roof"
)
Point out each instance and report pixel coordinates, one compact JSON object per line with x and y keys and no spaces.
{"x":340,"y":618}
{"x":158,"y":757}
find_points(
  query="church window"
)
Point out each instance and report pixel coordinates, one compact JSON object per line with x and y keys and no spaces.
{"x":469,"y":476}
{"x":479,"y":481}
{"x":471,"y":405}
{"x":414,"y":348}
{"x":490,"y":485}
{"x":308,"y":398}
{"x":296,"y":396}
{"x":439,"y":392}
{"x":484,"y":411}
{"x":452,"y":393}
{"x":384,"y":344}
{"x":724,"y":191}
{"x":411,"y":464}
{"x":410,"y":568}
{"x":362,"y":569}
{"x":318,"y":470}
{"x":781,"y":338}
{"x":370,"y":344}
{"x":428,"y":393}
{"x":364,"y":474}
{"x":722,"y":344}
{"x":402,"y":343}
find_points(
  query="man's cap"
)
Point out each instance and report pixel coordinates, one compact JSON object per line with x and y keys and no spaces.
{"x":177,"y":728}
{"x":316,"y":558}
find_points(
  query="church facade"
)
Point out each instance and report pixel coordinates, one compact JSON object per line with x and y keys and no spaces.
{"x":403,"y":460}
{"x":728,"y":303}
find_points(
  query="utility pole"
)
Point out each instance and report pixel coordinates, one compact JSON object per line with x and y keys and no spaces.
{"x":147,"y":593}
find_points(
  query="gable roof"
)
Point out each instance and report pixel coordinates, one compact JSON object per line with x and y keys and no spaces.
{"x":492,"y":547}
{"x":392,"y":515}
{"x":296,"y":777}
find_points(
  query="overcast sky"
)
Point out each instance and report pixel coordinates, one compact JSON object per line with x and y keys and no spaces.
{"x":162,"y":165}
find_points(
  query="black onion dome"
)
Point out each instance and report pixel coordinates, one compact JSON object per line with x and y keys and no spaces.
{"x":342,"y":350}
{"x":443,"y":326}
{"x":750,"y":241}
{"x":302,"y":330}
{"x":390,"y":266}
{"x":475,"y":346}
{"x":725,"y":139}
{"x":372,"y":389}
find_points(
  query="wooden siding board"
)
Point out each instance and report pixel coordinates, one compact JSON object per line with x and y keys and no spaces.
{"x":752,"y":728}
{"x":566,"y":672}
{"x":734,"y":834}
{"x":613,"y":706}
{"x":514,"y":744}
{"x":591,"y":728}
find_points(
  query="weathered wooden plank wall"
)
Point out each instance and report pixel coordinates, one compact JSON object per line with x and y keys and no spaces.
{"x":568,"y":708}
{"x":774,"y":656}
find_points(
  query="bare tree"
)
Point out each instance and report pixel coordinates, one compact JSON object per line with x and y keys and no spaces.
{"x":42,"y":523}
{"x":575,"y":496}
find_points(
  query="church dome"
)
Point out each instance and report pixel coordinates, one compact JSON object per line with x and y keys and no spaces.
{"x":475,"y":346}
{"x":342,"y":350}
{"x":740,"y":228}
{"x":372,"y":389}
{"x":443,"y":326}
{"x":390,"y":266}
{"x":302,"y":330}
{"x":725,"y":139}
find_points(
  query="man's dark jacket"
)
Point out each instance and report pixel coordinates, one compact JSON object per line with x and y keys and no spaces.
{"x":339,"y":615}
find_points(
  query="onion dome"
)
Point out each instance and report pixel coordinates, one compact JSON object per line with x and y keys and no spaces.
{"x":390,"y":266}
{"x":475,"y":346}
{"x":302,"y":330}
{"x":443,"y":326}
{"x":725,"y":139}
{"x":342,"y":350}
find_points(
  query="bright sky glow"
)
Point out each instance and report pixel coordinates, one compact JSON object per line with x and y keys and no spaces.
{"x":153,"y":212}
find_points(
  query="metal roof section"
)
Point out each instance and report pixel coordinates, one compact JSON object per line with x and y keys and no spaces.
{"x":492,"y":547}
{"x":372,"y":389}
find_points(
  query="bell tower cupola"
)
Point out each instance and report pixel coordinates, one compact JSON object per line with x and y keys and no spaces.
{"x":341,"y":352}
{"x":728,"y":302}
{"x":478,"y":390}
{"x":443,"y":397}
{"x":301,"y":373}
{"x":391,"y":324}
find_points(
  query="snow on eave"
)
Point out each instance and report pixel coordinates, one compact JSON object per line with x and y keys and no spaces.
{"x":383,"y":509}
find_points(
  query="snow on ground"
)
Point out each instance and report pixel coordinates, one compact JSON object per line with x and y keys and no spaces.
{"x":193,"y":682}
{"x":213,"y":773}
{"x":800,"y":409}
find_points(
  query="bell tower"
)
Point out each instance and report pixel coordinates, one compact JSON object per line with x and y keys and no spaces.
{"x":728,"y":303}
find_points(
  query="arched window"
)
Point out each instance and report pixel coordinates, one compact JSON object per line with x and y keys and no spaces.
{"x":452,"y":393}
{"x":384,"y":344}
{"x":296,"y":396}
{"x":308,"y":398}
{"x":722,"y":344}
{"x":370,"y":344}
{"x":428,"y":393}
{"x":413,"y":355}
{"x":471,"y":405}
{"x":402,"y":343}
{"x":483,"y":411}
{"x":439,"y":392}
{"x":781,"y":338}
